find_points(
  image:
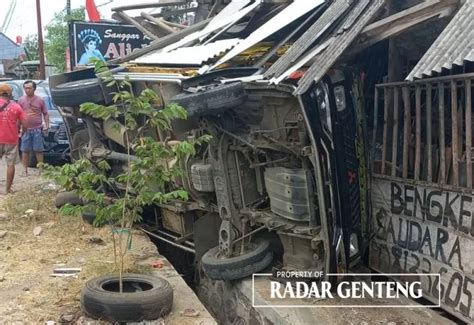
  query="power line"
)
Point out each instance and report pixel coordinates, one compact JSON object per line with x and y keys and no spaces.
{"x":8,"y":16}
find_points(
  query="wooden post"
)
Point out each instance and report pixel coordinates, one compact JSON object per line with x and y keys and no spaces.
{"x":454,"y":132}
{"x":42,"y":69}
{"x":418,"y":132}
{"x":395,"y":61}
{"x":468,"y":133}
{"x":135,"y":23}
{"x":385,"y":128}
{"x":395,"y":131}
{"x":375,"y":126}
{"x":442,"y":146}
{"x":158,"y":22}
{"x":406,"y":129}
{"x":428,"y":132}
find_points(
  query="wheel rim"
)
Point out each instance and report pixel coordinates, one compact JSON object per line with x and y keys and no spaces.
{"x":249,"y":247}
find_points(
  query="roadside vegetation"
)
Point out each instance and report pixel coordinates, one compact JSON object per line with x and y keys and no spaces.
{"x":150,"y":171}
{"x":28,"y":293}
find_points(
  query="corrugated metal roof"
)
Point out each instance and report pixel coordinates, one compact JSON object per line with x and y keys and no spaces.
{"x":216,"y":25}
{"x":302,"y":61}
{"x":292,"y":12}
{"x":330,"y":17}
{"x":9,"y":50}
{"x":195,"y":55}
{"x":359,"y":17}
{"x":454,"y":46}
{"x":233,"y":7}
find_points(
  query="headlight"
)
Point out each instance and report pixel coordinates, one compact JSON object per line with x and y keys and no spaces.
{"x":340,"y":97}
{"x":323,"y":103}
{"x":53,"y":127}
{"x":354,"y":245}
{"x":320,"y":98}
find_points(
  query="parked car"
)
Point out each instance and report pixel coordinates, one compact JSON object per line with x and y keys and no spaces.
{"x":56,"y":141}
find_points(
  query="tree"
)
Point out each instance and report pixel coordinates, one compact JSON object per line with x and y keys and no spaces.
{"x":57,"y":37}
{"x":31,"y":47}
{"x":148,"y":176}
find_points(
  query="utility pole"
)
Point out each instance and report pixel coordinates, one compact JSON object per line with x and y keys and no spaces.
{"x":40,"y":41}
{"x":68,"y":7}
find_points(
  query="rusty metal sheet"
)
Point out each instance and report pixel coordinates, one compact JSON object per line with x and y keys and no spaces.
{"x":426,"y":229}
{"x":454,"y":46}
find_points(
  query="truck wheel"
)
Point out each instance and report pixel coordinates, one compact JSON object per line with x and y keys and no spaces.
{"x":89,"y":217}
{"x":144,"y":297}
{"x":75,"y":93}
{"x":212,"y":101}
{"x":80,"y":140}
{"x":71,"y":197}
{"x":257,"y":257}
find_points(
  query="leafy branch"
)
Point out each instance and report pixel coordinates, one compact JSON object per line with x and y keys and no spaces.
{"x":148,"y":176}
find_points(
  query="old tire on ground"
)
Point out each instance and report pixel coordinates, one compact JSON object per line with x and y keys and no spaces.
{"x":101,"y":299}
{"x":62,"y":198}
{"x":88,"y":217}
{"x":220,"y":268}
{"x":212,"y":101}
{"x":75,"y":93}
{"x":80,"y":139}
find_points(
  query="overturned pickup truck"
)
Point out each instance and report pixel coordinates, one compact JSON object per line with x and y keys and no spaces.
{"x":284,"y":172}
{"x":276,"y":163}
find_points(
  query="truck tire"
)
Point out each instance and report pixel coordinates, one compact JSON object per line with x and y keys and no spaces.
{"x":212,"y":101}
{"x":89,"y":217}
{"x":71,"y":197}
{"x":144,"y":297}
{"x":77,"y":92}
{"x":79,"y":141}
{"x":238,"y":267}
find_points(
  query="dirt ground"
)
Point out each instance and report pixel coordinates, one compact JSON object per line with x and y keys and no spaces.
{"x":28,"y":292}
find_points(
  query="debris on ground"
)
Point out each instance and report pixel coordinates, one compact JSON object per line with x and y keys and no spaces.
{"x":96,"y":240}
{"x":66,"y":318}
{"x":190,"y":312}
{"x":3,"y":233}
{"x":65,"y":272}
{"x":158,"y":264}
{"x":37,"y":231}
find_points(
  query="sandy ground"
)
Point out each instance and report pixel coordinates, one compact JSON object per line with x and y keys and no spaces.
{"x":19,"y":182}
{"x":28,"y":292}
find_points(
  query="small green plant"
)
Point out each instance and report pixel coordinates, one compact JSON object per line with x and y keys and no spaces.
{"x":118,"y":199}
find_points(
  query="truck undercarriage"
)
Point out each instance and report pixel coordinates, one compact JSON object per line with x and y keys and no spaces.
{"x":274,"y":167}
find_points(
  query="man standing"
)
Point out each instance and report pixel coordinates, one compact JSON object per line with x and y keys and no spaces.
{"x":10,"y":114}
{"x":36,"y":111}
